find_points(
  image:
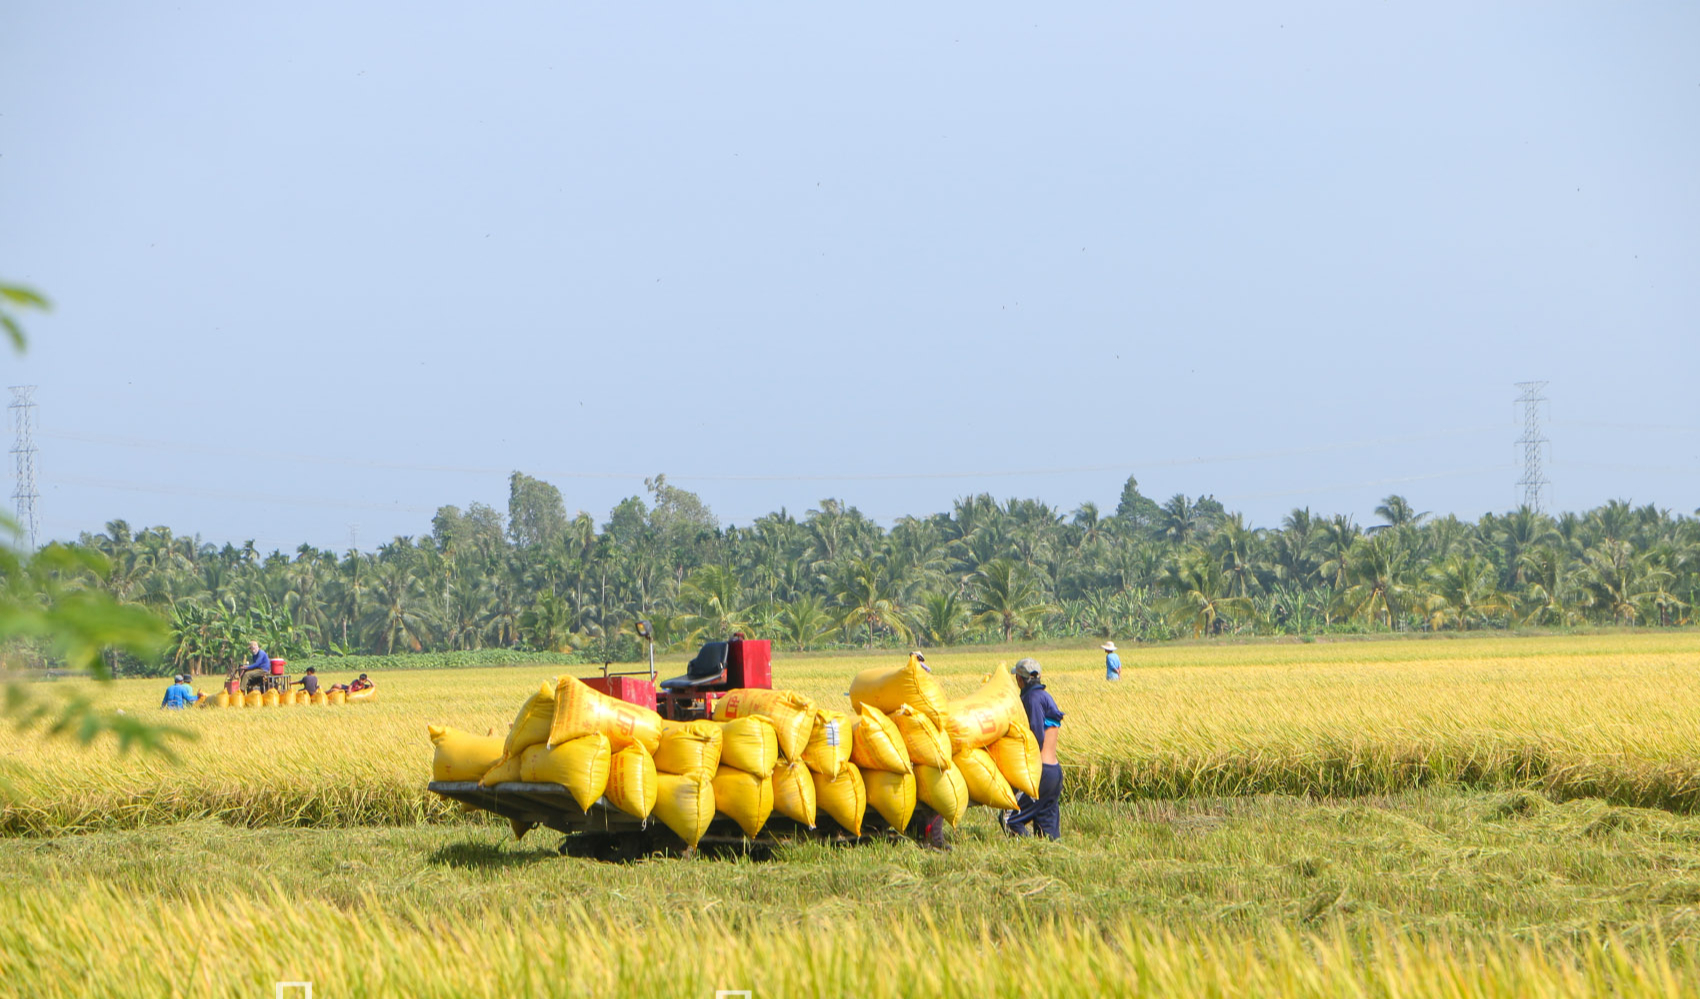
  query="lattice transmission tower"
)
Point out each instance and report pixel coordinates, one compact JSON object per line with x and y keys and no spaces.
{"x":23,"y":451}
{"x":1532,"y":443}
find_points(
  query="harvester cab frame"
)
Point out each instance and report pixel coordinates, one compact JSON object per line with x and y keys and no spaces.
{"x":717,"y":668}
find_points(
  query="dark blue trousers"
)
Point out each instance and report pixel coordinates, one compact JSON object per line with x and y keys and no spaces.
{"x":1045,"y":812}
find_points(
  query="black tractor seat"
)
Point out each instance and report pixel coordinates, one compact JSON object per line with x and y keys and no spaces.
{"x":709,"y":667}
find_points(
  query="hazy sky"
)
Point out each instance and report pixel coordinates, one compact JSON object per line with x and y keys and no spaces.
{"x":323,"y":265}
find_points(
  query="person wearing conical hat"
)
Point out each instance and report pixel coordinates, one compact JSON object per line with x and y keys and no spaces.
{"x":1112,"y":662}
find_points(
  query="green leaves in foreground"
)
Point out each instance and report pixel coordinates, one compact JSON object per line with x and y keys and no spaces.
{"x":75,"y":626}
{"x":17,"y":296}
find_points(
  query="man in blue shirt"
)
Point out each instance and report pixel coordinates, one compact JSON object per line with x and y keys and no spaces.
{"x":258,"y":669}
{"x":179,"y":695}
{"x":1045,"y":719}
{"x":1112,"y":662}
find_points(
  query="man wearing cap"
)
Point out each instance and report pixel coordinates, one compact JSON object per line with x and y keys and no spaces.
{"x":1045,"y":719}
{"x":179,"y":695}
{"x":1112,"y":662}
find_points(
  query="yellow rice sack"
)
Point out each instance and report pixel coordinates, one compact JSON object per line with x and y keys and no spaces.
{"x":300,"y":697}
{"x":581,"y":765}
{"x":744,"y":798}
{"x":844,"y":798}
{"x":361,"y":696}
{"x":891,"y":795}
{"x":580,"y":711}
{"x":253,"y":699}
{"x":794,"y":792}
{"x":506,"y":771}
{"x":684,"y":805}
{"x":271,"y":698}
{"x":981,"y":718}
{"x":531,"y":725}
{"x":462,"y":755}
{"x":878,"y":744}
{"x":337,"y":697}
{"x":924,"y":741}
{"x":792,"y":715}
{"x":1017,"y":758}
{"x":943,"y":790}
{"x":631,"y":781}
{"x":829,"y":742}
{"x":749,"y":744}
{"x":223,"y":699}
{"x":887,"y":687}
{"x":318,"y":699}
{"x":985,"y":784}
{"x":689,"y":749}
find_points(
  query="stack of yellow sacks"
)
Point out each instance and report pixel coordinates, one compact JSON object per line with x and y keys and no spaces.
{"x":977,"y":748}
{"x":566,"y":733}
{"x":900,"y":743}
{"x":763,"y":735}
{"x":273,"y":698}
{"x":765,"y":751}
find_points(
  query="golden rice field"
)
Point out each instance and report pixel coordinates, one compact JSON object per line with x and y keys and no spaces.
{"x":1354,"y":819}
{"x":104,"y":943}
{"x":1615,"y":716}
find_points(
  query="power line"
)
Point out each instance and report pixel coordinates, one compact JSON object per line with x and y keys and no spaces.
{"x":24,"y":450}
{"x":1532,"y":443}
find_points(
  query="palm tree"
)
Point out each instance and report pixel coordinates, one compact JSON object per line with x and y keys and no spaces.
{"x":803,"y":622}
{"x":1180,"y":520}
{"x":940,"y":619}
{"x":1619,"y":580}
{"x":1463,"y":589}
{"x":1237,"y":549}
{"x":714,"y":600}
{"x":547,"y":623}
{"x":1396,"y":511}
{"x":1336,"y":537}
{"x":1380,"y":572}
{"x":871,"y":598}
{"x":1006,"y":596}
{"x":1201,"y":598}
{"x":1549,"y":598}
{"x":399,"y":616}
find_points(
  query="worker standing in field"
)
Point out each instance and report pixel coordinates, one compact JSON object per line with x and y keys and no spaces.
{"x":1112,"y":662}
{"x":258,"y":669}
{"x":179,"y":695}
{"x":1045,"y":718}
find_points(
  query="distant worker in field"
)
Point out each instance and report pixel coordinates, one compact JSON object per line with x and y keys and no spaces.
{"x":360,"y":683}
{"x":1112,"y":662}
{"x":1045,"y":719}
{"x":258,"y":669}
{"x":179,"y":695}
{"x":310,"y":681}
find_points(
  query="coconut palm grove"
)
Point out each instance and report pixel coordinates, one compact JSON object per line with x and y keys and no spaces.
{"x":535,"y":579}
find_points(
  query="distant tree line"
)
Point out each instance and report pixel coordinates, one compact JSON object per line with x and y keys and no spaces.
{"x":539,"y":579}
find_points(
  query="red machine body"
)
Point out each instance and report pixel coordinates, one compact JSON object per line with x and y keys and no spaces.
{"x":749,"y":663}
{"x":631,"y":689}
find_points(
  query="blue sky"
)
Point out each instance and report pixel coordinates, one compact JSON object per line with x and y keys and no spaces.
{"x":325,"y":265}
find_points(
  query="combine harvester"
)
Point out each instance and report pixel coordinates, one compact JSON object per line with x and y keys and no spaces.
{"x":901,"y":744}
